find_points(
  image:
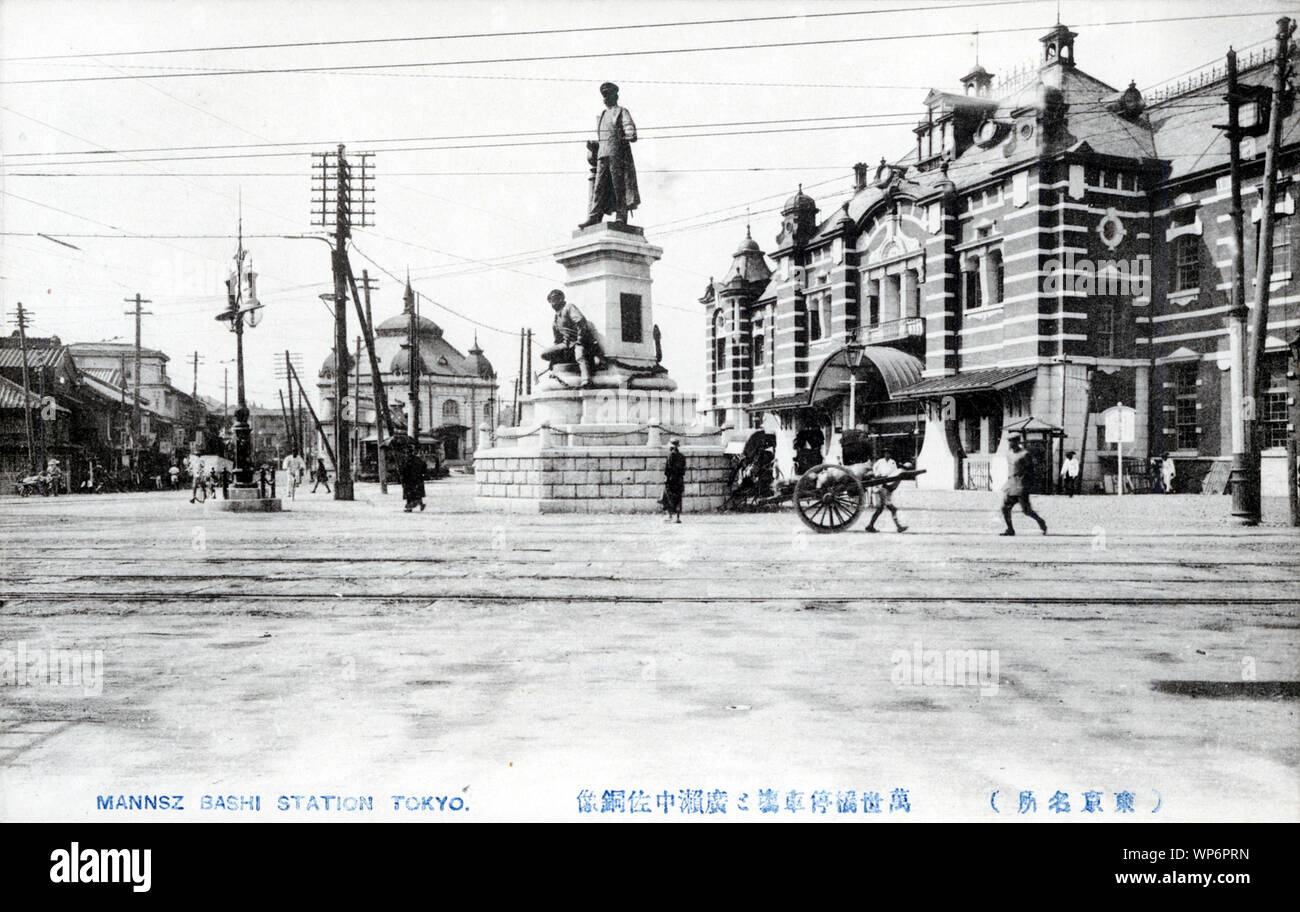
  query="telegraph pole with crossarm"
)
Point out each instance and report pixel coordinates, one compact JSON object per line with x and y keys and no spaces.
{"x":344,"y":200}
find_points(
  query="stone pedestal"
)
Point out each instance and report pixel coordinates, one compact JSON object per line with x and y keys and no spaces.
{"x":608,"y":279}
{"x":596,"y":479}
{"x":602,"y":449}
{"x":245,"y":500}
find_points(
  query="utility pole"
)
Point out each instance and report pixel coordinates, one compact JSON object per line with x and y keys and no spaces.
{"x":383,"y":424}
{"x":1236,"y":318}
{"x":225,"y":396}
{"x":344,"y":203}
{"x":1293,"y":395}
{"x":135,"y":406}
{"x":122,"y":409}
{"x":288,"y":428}
{"x":282,"y":372}
{"x":302,"y":426}
{"x":43,"y":458}
{"x":519,"y":381}
{"x":294,"y":442}
{"x":528,"y":361}
{"x":1256,"y":375}
{"x":343,"y":477}
{"x":195,"y":393}
{"x":320,"y":431}
{"x":21,"y":320}
{"x":356,"y":427}
{"x":194,"y":398}
{"x":413,"y":372}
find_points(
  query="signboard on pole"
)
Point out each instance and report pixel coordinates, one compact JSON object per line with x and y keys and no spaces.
{"x":1121,"y":428}
{"x":1121,"y":424}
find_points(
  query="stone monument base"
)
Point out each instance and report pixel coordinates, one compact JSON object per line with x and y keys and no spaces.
{"x":245,"y":500}
{"x":601,"y":451}
{"x":611,"y":479}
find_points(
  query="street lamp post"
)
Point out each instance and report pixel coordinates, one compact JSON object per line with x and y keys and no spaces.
{"x":241,"y":309}
{"x":853,"y":351}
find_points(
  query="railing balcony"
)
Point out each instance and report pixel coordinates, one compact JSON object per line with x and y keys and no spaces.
{"x":892,"y":331}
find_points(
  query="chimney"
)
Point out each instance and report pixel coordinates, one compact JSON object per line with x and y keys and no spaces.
{"x":860,"y":176}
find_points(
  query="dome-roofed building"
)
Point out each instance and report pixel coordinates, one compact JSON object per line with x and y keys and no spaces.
{"x":457,"y":391}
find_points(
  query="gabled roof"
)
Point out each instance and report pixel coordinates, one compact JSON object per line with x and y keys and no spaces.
{"x":1184,"y":123}
{"x":12,"y":356}
{"x":11,"y":395}
{"x":1090,"y":125}
{"x":113,"y":391}
{"x":110,"y":375}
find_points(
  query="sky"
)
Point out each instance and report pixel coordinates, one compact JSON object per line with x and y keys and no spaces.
{"x":480,"y":159}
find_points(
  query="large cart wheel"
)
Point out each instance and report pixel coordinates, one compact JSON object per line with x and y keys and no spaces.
{"x":828,"y":498}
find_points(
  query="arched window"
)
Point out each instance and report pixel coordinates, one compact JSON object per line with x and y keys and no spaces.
{"x":450,"y":411}
{"x":814,"y":320}
{"x":719,"y":341}
{"x":871,"y":292}
{"x":997,"y":276}
{"x":973,"y":295}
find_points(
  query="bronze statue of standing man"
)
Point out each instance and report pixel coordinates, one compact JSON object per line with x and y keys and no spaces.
{"x":613,"y":186}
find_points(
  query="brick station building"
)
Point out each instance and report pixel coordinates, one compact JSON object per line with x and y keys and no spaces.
{"x":1049,"y":247}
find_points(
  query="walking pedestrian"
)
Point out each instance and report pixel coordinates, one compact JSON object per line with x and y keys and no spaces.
{"x":674,"y":481}
{"x":199,"y":489}
{"x":225,"y":483}
{"x":882,"y":495}
{"x":1016,"y":490}
{"x":1070,"y":473}
{"x":413,"y":469}
{"x":1167,"y":473}
{"x":320,"y":476}
{"x":174,"y":475}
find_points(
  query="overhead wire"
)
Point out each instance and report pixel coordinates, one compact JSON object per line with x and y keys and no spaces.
{"x":563,"y":30}
{"x":622,"y":54}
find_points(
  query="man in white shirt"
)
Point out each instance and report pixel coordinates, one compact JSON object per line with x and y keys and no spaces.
{"x":1070,"y":473}
{"x":1167,"y":472}
{"x":882,"y":495}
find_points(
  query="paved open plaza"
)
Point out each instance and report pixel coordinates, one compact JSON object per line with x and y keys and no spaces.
{"x":1144,"y":651}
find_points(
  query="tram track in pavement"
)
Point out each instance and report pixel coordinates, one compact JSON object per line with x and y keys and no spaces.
{"x":10,"y":597}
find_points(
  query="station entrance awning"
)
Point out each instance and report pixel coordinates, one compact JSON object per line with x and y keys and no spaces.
{"x":991,"y":379}
{"x":877,"y":371}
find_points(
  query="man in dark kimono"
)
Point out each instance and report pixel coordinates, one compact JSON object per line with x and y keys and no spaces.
{"x":674,"y":481}
{"x":1016,"y":489}
{"x":413,"y":468}
{"x":614,"y":188}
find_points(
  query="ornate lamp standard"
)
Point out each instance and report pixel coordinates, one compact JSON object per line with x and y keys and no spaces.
{"x":245,"y":494}
{"x":236,"y":309}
